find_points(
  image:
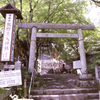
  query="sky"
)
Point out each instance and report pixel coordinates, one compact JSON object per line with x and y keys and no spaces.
{"x":94,"y":14}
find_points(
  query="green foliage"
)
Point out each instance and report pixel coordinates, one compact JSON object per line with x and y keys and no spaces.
{"x":92,"y":45}
{"x":40,"y":80}
{"x":57,"y":11}
{"x":69,"y":52}
{"x":2,"y":90}
{"x":94,"y":51}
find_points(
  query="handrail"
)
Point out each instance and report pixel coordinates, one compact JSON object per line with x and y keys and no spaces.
{"x":30,"y":84}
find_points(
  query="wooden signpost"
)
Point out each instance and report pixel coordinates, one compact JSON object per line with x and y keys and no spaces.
{"x":12,"y":77}
{"x":9,"y":12}
{"x":8,"y":38}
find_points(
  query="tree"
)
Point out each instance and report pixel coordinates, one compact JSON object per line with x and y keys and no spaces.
{"x":97,"y":2}
{"x":52,"y":11}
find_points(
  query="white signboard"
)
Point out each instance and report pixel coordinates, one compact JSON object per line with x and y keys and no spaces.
{"x":77,"y":64}
{"x":10,"y":78}
{"x":8,"y":38}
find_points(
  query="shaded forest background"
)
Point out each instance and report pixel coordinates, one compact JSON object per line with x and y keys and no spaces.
{"x":58,"y":11}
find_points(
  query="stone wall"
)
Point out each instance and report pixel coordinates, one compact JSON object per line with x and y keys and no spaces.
{"x":4,"y":95}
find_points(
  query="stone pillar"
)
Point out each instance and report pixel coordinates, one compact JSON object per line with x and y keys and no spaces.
{"x":96,"y":72}
{"x":18,"y":65}
{"x":82,"y":52}
{"x":25,"y":89}
{"x":32,"y":50}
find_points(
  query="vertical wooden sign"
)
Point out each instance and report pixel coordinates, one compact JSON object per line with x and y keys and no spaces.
{"x":8,"y":38}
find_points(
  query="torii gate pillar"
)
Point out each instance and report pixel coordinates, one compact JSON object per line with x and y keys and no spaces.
{"x":82,"y":52}
{"x":84,"y":75}
{"x":32,"y":50}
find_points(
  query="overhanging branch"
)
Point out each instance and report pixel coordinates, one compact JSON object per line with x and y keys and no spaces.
{"x":97,"y":3}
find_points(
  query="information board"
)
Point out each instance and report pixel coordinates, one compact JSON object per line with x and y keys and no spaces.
{"x":10,"y":78}
{"x":77,"y":64}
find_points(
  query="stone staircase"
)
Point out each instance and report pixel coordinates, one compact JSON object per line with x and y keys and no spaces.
{"x":62,"y":87}
{"x":65,"y":94}
{"x":46,"y":67}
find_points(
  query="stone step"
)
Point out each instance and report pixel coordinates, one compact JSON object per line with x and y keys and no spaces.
{"x":81,"y":96}
{"x":45,"y":68}
{"x":55,"y":87}
{"x":47,"y":78}
{"x":86,"y":83}
{"x":94,"y":99}
{"x":64,"y":91}
{"x":49,"y":75}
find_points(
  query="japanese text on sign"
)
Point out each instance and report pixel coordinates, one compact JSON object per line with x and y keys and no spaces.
{"x":8,"y":38}
{"x":10,"y":78}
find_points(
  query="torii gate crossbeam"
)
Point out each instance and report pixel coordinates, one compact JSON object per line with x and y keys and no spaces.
{"x":56,"y":26}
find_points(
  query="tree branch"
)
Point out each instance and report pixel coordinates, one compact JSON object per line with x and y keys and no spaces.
{"x":21,"y":6}
{"x":52,"y":11}
{"x":96,"y":1}
{"x":14,"y":2}
{"x":31,"y":9}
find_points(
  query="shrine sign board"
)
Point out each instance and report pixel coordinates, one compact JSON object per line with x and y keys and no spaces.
{"x":8,"y":38}
{"x":77,"y":64}
{"x":10,"y":78}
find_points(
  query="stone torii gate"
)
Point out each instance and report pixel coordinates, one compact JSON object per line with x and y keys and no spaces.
{"x":34,"y":34}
